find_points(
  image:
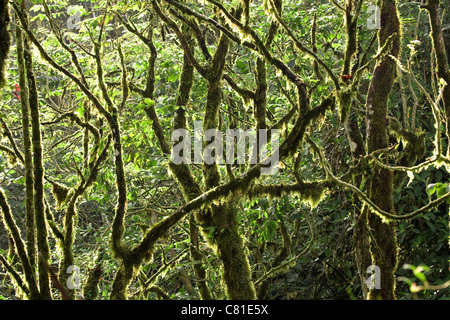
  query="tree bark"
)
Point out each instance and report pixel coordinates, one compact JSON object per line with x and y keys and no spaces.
{"x":443,"y":71}
{"x":383,"y":243}
{"x":5,"y":40}
{"x":28,"y":157}
{"x":223,"y":217}
{"x":38,"y":172}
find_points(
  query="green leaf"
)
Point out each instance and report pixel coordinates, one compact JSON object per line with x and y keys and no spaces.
{"x":418,"y":272}
{"x":210,"y":231}
{"x":149,"y":102}
{"x":439,"y":188}
{"x":431,"y":189}
{"x":431,"y":226}
{"x":141,"y":106}
{"x":80,"y":111}
{"x":442,"y":188}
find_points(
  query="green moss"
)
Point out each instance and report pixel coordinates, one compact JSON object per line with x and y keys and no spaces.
{"x":5,"y":40}
{"x":10,"y":158}
{"x":10,"y":224}
{"x":122,"y":279}
{"x":90,"y":289}
{"x":383,"y":242}
{"x":313,"y":195}
{"x":60,"y":192}
{"x":345,"y":101}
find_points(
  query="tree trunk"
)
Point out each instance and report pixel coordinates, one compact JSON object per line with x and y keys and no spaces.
{"x":443,"y":71}
{"x":5,"y":40}
{"x":383,"y":243}
{"x":38,"y":171}
{"x":28,"y":157}
{"x":226,"y":239}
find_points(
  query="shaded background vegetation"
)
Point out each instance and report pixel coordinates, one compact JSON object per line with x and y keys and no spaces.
{"x":327,"y":270}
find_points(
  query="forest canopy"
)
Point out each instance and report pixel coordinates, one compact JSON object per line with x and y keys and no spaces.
{"x":185,"y":150}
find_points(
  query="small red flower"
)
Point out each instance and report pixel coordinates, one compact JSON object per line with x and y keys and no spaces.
{"x":16,"y":91}
{"x":345,"y":77}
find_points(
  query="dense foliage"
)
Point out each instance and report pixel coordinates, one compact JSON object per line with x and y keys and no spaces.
{"x":94,"y":207}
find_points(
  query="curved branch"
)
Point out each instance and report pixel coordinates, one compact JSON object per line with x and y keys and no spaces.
{"x":301,"y":47}
{"x":59,"y":37}
{"x":372,"y":206}
{"x":181,"y":38}
{"x":58,"y":67}
{"x":7,"y":133}
{"x":11,"y":225}
{"x":214,"y":23}
{"x":16,"y":276}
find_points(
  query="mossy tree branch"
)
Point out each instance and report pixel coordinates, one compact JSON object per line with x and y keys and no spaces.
{"x":5,"y":40}
{"x":333,"y":181}
{"x":28,"y":158}
{"x":214,"y":23}
{"x":57,"y":32}
{"x":15,"y":275}
{"x":211,"y":206}
{"x":259,"y":46}
{"x":96,"y":102}
{"x":443,"y":71}
{"x":110,"y":113}
{"x":181,"y":172}
{"x":159,"y":229}
{"x":10,"y":224}
{"x":83,"y":124}
{"x":90,"y":289}
{"x":276,"y":13}
{"x":148,"y":91}
{"x":236,"y":274}
{"x":194,"y":27}
{"x":38,"y":176}
{"x":251,"y":41}
{"x":71,"y":214}
{"x":353,"y":132}
{"x":381,"y":184}
{"x":6,"y":132}
{"x":184,"y":43}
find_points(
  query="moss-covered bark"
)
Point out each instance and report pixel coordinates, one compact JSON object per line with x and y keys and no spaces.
{"x":181,"y":173}
{"x":90,"y":288}
{"x":237,"y":278}
{"x":383,"y":243}
{"x":356,"y":142}
{"x":443,"y":71}
{"x":190,"y":188}
{"x":38,"y":173}
{"x":260,"y":103}
{"x":111,"y":112}
{"x":122,"y":279}
{"x":67,"y":244}
{"x":223,"y":217}
{"x":30,"y":277}
{"x":120,"y":250}
{"x":231,"y":250}
{"x":5,"y":39}
{"x":28,"y":160}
